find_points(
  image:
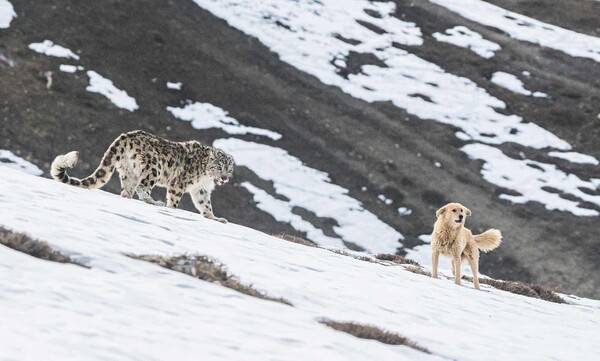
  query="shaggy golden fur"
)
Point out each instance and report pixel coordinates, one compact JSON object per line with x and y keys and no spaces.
{"x":452,"y":239}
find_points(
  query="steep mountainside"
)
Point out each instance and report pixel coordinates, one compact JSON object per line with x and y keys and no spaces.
{"x":351,"y":121}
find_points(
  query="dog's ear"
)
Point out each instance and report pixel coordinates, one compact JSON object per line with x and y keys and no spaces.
{"x":440,"y":211}
{"x":467,"y":211}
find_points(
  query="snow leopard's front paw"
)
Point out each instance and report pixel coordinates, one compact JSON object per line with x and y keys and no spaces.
{"x":159,"y":203}
{"x":222,"y":220}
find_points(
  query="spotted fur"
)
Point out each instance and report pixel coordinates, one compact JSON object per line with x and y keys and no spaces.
{"x":144,"y":160}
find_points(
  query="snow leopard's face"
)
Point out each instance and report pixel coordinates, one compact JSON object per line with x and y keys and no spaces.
{"x":221,"y":167}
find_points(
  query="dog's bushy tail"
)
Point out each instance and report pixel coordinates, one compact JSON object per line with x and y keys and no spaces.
{"x":488,"y":240}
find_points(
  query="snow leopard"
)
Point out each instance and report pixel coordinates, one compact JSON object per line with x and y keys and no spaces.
{"x":144,"y":160}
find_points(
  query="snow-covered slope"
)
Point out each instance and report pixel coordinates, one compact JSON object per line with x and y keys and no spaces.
{"x":125,"y":309}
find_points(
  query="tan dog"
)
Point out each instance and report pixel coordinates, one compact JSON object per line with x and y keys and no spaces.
{"x":452,"y":239}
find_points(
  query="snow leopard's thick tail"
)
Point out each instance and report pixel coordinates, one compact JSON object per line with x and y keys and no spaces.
{"x":96,"y":180}
{"x":488,"y":240}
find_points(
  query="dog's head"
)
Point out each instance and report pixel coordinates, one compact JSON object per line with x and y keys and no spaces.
{"x":453,"y":214}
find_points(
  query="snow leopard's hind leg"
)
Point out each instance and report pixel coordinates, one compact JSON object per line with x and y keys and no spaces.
{"x":144,"y":189}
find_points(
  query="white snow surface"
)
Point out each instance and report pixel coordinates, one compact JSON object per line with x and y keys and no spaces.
{"x":9,"y":160}
{"x":7,"y":13}
{"x":466,"y":38}
{"x":125,"y":309}
{"x":47,"y":47}
{"x":385,"y":200}
{"x":529,"y":177}
{"x":403,"y":211}
{"x":524,"y":28}
{"x":174,"y":86}
{"x":312,"y":190}
{"x":514,"y":84}
{"x":206,"y":116}
{"x":575,"y":157}
{"x":313,"y":44}
{"x":104,"y":86}
{"x":67,"y":68}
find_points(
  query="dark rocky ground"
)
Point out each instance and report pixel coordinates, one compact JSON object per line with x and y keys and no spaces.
{"x":140,"y":47}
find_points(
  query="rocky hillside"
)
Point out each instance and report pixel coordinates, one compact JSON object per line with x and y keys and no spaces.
{"x":351,"y":121}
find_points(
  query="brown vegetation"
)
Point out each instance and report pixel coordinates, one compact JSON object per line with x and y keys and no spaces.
{"x":23,"y":243}
{"x":396,"y":259}
{"x":294,"y":239}
{"x":520,"y":288}
{"x":372,"y":333}
{"x":207,"y":269}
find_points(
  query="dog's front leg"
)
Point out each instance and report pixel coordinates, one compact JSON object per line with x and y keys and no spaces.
{"x":474,"y":263}
{"x":435,"y":256}
{"x":457,"y":270}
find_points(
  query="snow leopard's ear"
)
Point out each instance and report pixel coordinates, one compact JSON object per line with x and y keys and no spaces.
{"x":467,"y":211}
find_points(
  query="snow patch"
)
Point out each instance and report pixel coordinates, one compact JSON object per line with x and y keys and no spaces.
{"x":529,"y":178}
{"x":282,"y":211}
{"x":174,"y":86}
{"x":575,"y":157}
{"x":48,"y":48}
{"x":9,"y":160}
{"x":206,"y":116}
{"x":7,"y":13}
{"x":514,"y":84}
{"x":66,"y":68}
{"x":525,"y":28}
{"x":318,"y":36}
{"x":384,"y":199}
{"x":312,"y":190}
{"x":403,"y":211}
{"x":466,"y":38}
{"x":101,"y":85}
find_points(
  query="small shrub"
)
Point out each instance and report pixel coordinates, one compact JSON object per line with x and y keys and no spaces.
{"x":207,"y":269}
{"x":23,"y":243}
{"x":294,"y":239}
{"x":418,"y":270}
{"x":520,"y":288}
{"x":396,"y":259}
{"x":340,"y":251}
{"x":373,"y":333}
{"x":547,"y":294}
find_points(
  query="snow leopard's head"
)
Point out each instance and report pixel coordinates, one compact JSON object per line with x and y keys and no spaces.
{"x":221,"y":167}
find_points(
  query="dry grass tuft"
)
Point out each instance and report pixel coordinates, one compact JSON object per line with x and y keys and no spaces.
{"x":23,"y":243}
{"x":547,"y":294}
{"x":372,"y":333}
{"x":207,"y":269}
{"x":418,"y":270}
{"x":520,"y":288}
{"x":294,"y":239}
{"x":396,"y":259}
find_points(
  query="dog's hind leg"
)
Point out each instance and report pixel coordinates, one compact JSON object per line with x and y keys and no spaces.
{"x":435,"y":257}
{"x":474,"y":268}
{"x":456,"y":266}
